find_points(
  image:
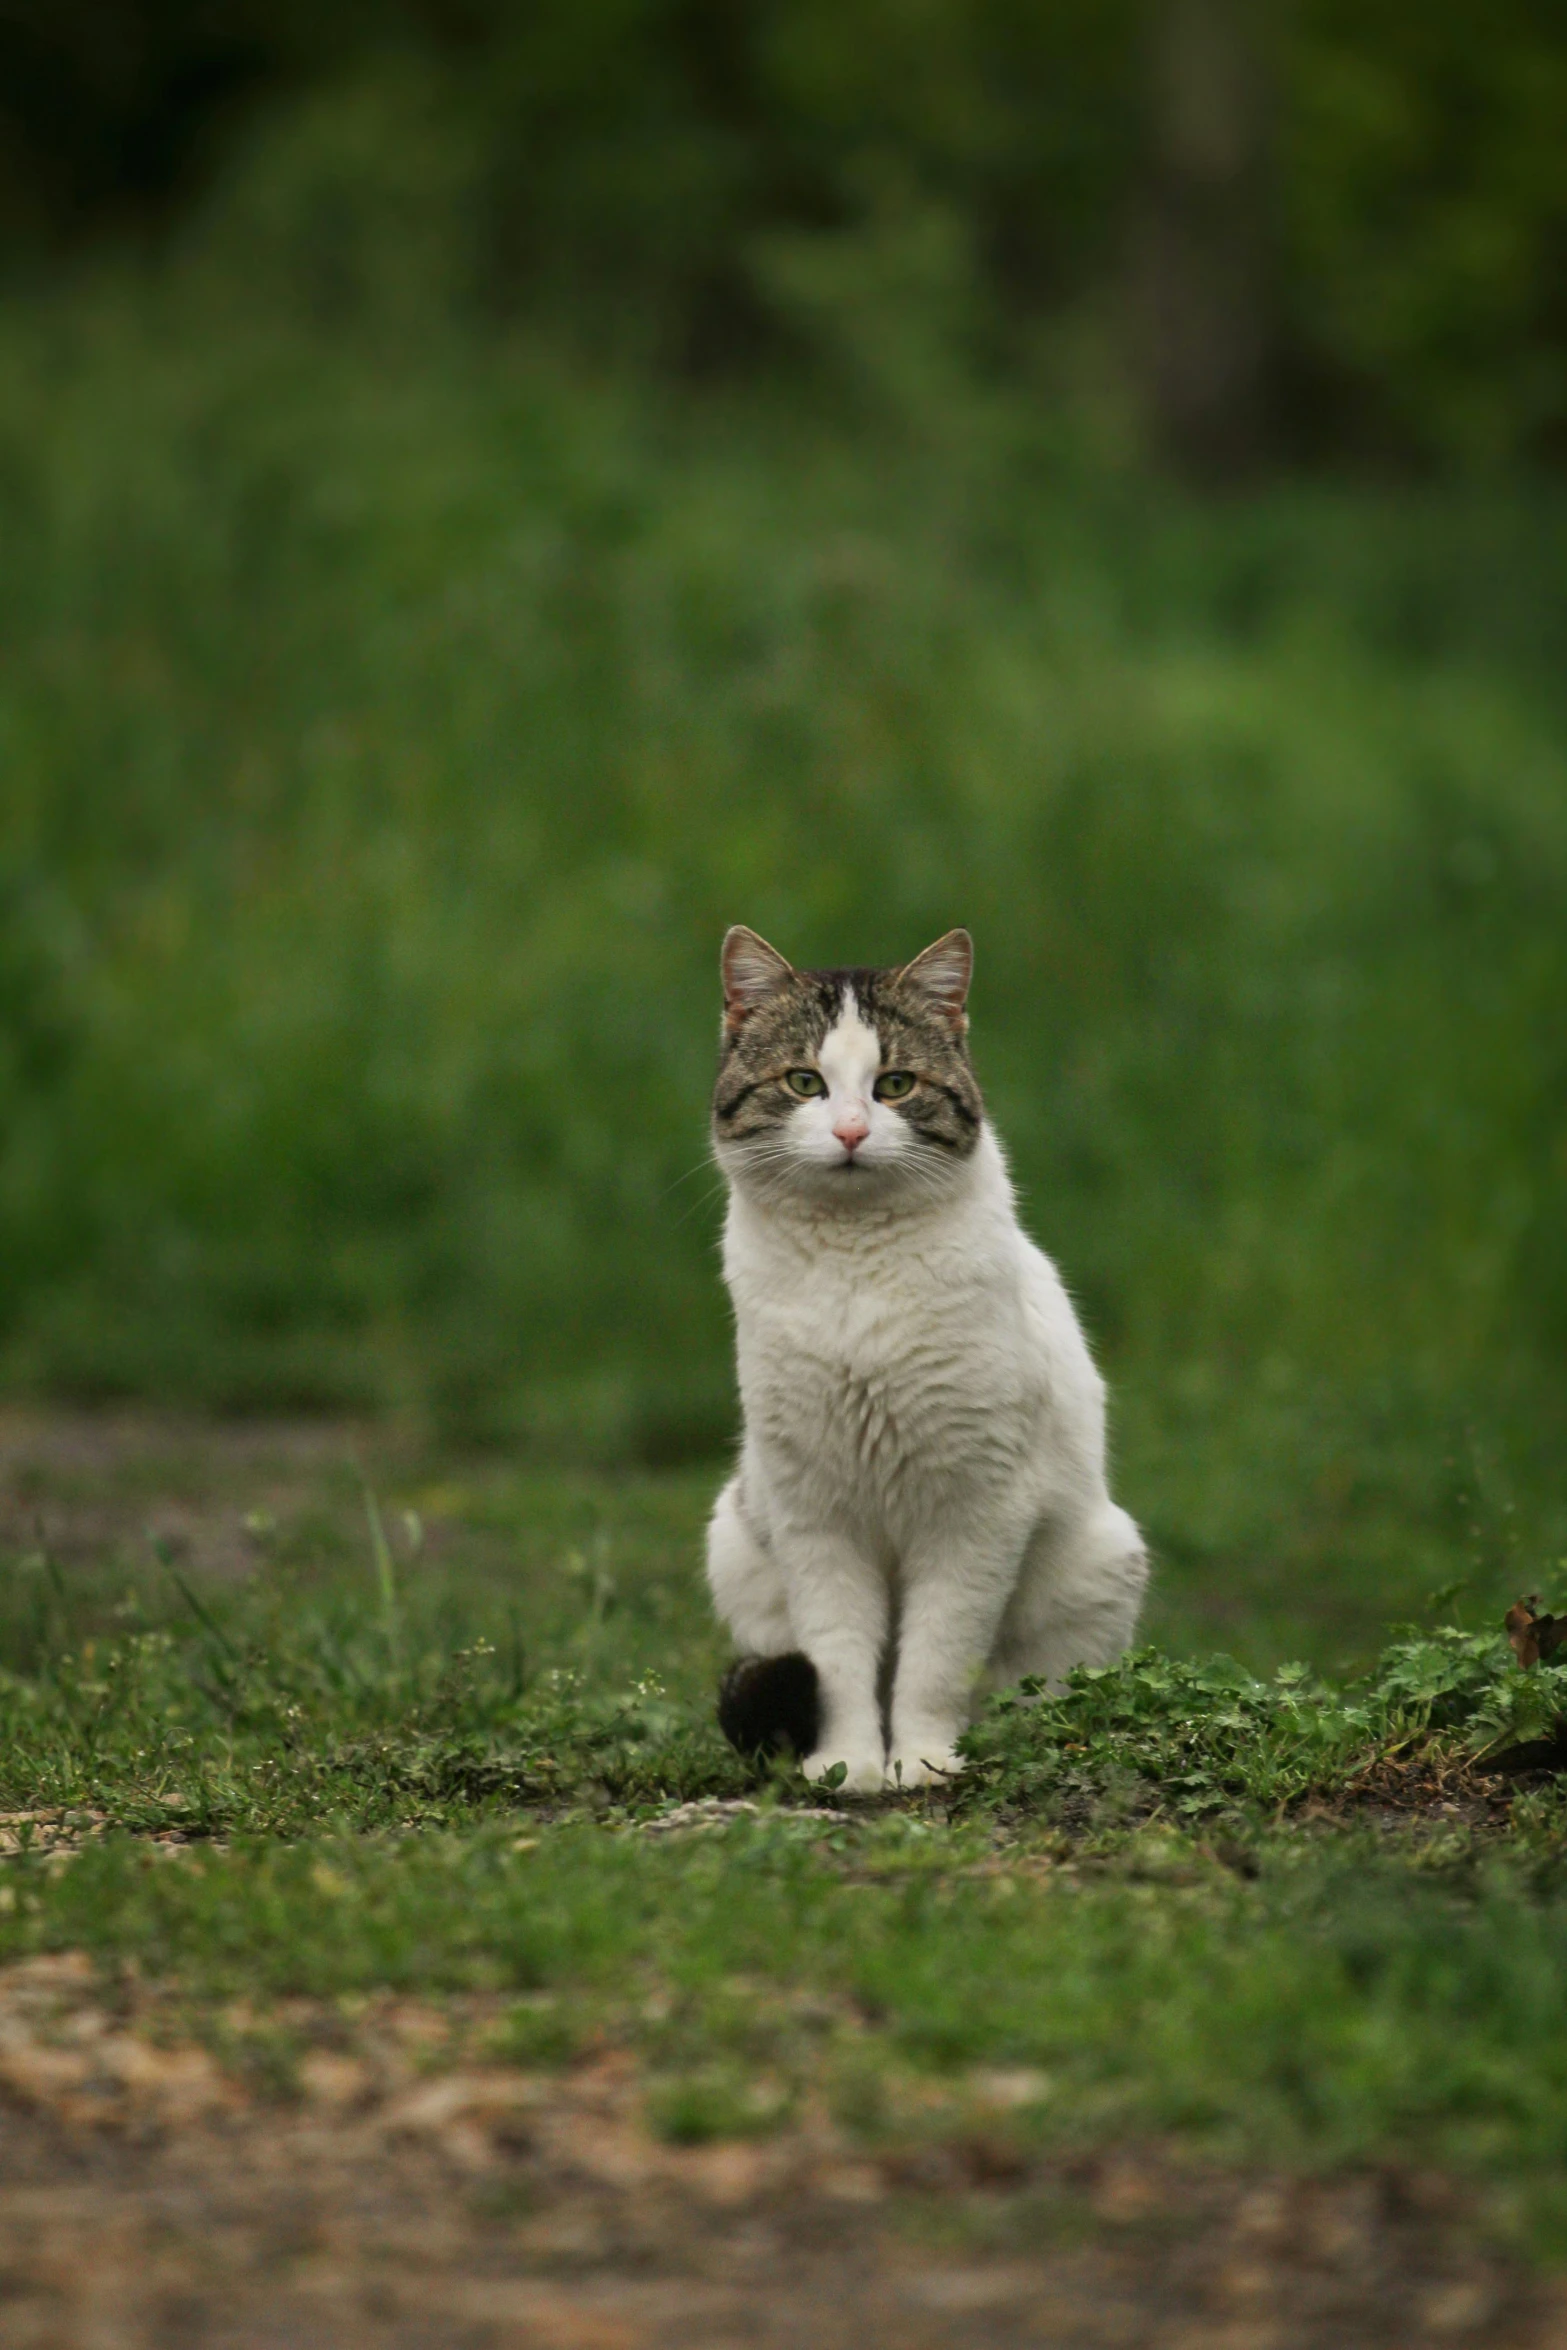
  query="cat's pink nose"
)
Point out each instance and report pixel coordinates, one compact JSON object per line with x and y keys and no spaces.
{"x":851,"y":1128}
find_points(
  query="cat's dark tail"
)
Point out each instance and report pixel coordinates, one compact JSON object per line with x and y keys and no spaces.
{"x":771,"y":1705}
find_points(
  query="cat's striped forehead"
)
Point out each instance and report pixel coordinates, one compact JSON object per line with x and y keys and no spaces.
{"x":798,"y":1017}
{"x":791,"y":1025}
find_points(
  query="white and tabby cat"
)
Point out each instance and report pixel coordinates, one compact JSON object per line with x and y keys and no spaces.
{"x":920,"y":1503}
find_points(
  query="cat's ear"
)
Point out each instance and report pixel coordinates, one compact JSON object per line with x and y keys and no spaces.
{"x":752,"y":972}
{"x":940,"y":976}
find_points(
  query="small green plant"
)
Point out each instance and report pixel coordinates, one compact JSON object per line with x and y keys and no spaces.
{"x":716,"y":2102}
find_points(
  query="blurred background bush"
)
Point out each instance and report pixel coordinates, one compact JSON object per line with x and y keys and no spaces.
{"x":1283,"y":230}
{"x":490,"y":494}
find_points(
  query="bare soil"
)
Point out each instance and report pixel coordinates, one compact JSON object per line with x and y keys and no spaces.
{"x":400,"y":2193}
{"x":92,"y":1487}
{"x":563,"y":2230}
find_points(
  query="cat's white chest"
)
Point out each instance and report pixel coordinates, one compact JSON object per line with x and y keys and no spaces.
{"x":878,"y":1376}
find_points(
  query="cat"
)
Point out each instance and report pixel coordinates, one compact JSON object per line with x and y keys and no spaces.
{"x":919,"y":1512}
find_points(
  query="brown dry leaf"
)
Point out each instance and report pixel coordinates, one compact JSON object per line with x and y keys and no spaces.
{"x":180,"y":2084}
{"x":470,"y":2116}
{"x":1520,"y":1621}
{"x":1533,"y":1636}
{"x":337,"y":2082}
{"x":50,"y":1970}
{"x":43,"y":2077}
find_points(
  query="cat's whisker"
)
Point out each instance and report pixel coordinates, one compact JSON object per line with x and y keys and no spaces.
{"x":703,"y":1165}
{"x":704,"y":1199}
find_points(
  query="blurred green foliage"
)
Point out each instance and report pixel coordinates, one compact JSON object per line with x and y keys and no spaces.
{"x":391,"y":722}
{"x":1369,"y":202}
{"x":410,"y":670}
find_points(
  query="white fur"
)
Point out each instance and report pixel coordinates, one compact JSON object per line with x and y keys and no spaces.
{"x":923,"y":1454}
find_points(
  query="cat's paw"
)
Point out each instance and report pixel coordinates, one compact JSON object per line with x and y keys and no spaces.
{"x":864,"y":1771}
{"x":930,"y":1765}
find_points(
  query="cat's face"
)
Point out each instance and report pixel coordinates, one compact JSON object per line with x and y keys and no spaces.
{"x":845,"y":1084}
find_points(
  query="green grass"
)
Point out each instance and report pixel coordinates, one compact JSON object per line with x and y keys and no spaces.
{"x":1350,"y":2006}
{"x":365,"y":1694}
{"x":1157,"y":1903}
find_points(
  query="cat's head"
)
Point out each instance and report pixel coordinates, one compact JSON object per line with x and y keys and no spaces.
{"x":845,"y":1085}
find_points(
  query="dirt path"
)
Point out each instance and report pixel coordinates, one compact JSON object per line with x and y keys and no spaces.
{"x":568,"y":2233}
{"x":399,"y":2192}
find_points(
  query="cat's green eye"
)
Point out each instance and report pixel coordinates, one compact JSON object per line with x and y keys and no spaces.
{"x":896,"y":1085}
{"x":807,"y":1083}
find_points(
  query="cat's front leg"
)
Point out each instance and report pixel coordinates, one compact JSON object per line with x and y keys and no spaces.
{"x":954,"y":1594}
{"x":838,"y":1605}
